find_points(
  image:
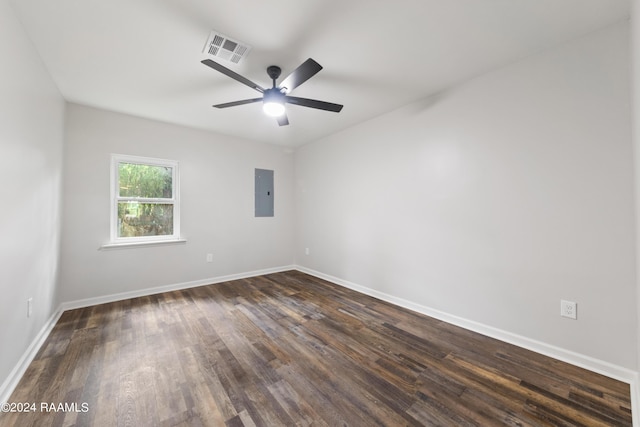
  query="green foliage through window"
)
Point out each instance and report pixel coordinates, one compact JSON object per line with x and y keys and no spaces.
{"x":148,"y":181}
{"x":144,"y":219}
{"x":145,"y":205}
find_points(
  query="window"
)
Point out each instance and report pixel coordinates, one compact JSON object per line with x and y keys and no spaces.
{"x":145,"y":205}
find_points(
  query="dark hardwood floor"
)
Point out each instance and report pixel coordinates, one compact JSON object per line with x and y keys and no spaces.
{"x":289,"y":349}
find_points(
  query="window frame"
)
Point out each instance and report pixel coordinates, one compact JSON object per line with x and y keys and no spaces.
{"x":115,"y":197}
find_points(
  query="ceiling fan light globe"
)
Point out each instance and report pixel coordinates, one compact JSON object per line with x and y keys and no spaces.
{"x":273,"y":109}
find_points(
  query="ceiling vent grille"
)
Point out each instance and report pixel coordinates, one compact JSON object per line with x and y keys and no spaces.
{"x":223,"y":47}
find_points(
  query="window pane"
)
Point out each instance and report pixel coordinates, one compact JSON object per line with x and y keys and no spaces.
{"x":145,"y":181}
{"x":144,"y":219}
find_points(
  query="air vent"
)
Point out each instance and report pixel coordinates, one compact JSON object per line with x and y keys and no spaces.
{"x":222,"y":47}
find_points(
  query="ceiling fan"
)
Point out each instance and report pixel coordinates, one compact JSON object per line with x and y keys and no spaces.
{"x":273,"y":99}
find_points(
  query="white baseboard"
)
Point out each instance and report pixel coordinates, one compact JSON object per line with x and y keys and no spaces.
{"x":18,"y":371}
{"x":168,"y":288}
{"x":599,"y":366}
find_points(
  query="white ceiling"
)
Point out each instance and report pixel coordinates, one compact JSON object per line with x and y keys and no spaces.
{"x":142,"y":57}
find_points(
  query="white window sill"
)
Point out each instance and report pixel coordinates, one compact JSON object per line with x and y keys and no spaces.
{"x":126,"y":245}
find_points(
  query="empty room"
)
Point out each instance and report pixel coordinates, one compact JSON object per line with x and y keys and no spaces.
{"x":237,"y":213}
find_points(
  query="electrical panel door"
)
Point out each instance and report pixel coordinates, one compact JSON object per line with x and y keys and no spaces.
{"x":264,"y":192}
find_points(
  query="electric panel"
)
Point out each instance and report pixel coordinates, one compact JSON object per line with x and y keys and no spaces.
{"x":263,"y":193}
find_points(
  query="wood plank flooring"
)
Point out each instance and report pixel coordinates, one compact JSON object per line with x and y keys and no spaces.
{"x":288,"y":349}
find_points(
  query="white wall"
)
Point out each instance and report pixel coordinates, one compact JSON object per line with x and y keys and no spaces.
{"x":217,"y":196}
{"x":635,"y":67}
{"x":31,"y":135}
{"x":492,"y":201}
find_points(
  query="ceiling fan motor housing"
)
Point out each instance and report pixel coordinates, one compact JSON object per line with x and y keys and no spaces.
{"x":273,"y":95}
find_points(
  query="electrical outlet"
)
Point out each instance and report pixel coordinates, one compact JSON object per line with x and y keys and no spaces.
{"x":306,"y":251}
{"x":569,"y":309}
{"x":209,"y":257}
{"x":29,"y":307}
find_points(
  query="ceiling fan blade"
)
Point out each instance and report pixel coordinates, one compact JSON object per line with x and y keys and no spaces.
{"x":304,"y":72}
{"x":283,"y":120}
{"x":234,"y":103}
{"x":224,"y":70}
{"x":312,"y":103}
